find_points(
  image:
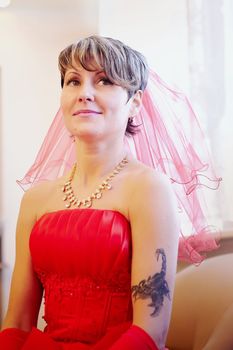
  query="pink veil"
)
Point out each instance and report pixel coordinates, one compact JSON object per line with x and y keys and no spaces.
{"x":170,"y":140}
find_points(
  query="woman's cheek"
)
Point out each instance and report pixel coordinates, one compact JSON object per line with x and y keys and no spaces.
{"x":68,"y":123}
{"x":65,"y":99}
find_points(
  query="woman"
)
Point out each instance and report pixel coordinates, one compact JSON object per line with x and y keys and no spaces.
{"x":103,"y":233}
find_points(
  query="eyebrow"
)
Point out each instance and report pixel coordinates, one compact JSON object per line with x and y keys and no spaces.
{"x":77,"y":72}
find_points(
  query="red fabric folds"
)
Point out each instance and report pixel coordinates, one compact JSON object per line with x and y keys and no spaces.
{"x":12,"y":339}
{"x":119,"y":338}
{"x":38,"y":340}
{"x":134,"y":339}
{"x":170,"y":140}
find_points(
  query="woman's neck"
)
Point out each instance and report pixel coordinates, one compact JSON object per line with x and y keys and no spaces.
{"x":95,"y":162}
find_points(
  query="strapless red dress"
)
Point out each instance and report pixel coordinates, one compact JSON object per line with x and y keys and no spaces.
{"x":83,"y":260}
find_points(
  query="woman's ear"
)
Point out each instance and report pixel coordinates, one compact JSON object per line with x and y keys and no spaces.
{"x":136,"y":103}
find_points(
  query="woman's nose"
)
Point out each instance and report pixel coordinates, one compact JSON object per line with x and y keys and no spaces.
{"x":85,"y":94}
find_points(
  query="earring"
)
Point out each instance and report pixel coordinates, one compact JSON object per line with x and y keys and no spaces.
{"x":72,"y":138}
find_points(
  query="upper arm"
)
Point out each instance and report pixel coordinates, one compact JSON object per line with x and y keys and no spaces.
{"x":26,"y":292}
{"x":155,"y":234}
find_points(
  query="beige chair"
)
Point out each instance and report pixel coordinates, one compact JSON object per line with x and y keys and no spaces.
{"x":202,"y":295}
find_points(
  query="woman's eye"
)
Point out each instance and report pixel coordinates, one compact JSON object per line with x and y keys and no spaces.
{"x":73,"y":82}
{"x":105,"y":81}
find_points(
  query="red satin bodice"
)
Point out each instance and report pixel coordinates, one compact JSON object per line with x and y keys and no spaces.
{"x":83,"y":259}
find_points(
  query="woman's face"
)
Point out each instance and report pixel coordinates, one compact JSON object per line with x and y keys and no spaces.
{"x":93,"y":106}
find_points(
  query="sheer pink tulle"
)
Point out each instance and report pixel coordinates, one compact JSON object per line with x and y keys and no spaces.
{"x":170,"y":140}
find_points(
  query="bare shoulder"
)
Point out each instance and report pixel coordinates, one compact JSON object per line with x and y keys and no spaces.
{"x":153,"y":212}
{"x":36,"y":198}
{"x":146,"y":179}
{"x":37,"y":193}
{"x":151,"y":193}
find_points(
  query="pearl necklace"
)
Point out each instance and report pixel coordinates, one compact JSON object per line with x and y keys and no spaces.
{"x":72,"y":200}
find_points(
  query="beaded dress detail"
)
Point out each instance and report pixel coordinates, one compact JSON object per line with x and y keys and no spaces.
{"x":83,"y":259}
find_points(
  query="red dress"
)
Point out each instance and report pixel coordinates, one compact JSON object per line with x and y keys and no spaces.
{"x":83,"y":260}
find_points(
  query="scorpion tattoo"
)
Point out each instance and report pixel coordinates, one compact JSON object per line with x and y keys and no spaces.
{"x":155,"y":287}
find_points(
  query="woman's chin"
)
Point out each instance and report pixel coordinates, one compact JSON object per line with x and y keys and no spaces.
{"x":86,"y":134}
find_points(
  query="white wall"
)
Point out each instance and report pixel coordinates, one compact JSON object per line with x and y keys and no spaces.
{"x":157,"y":28}
{"x":30,"y":39}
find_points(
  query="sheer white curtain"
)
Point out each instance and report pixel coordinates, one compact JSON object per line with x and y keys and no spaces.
{"x":210,"y":33}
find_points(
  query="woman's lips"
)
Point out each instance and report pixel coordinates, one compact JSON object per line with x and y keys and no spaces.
{"x":86,"y":112}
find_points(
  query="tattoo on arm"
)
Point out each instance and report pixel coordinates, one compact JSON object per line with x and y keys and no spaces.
{"x":155,"y":287}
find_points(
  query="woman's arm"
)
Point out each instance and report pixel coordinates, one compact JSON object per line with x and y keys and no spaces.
{"x":155,"y":235}
{"x":222,"y":337}
{"x":26,"y":291}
